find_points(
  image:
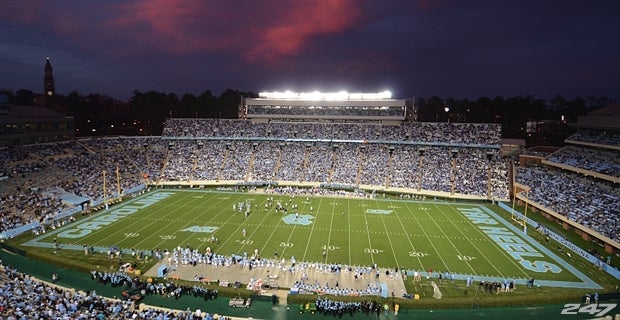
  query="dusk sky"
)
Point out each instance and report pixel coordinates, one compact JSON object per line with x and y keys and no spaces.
{"x":448,"y":48}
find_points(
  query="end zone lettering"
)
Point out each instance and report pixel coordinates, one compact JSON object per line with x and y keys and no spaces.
{"x":514,"y":245}
{"x":87,"y":227}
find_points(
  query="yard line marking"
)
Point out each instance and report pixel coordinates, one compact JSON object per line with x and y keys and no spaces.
{"x":349,"y":229}
{"x":197,"y":215}
{"x":452,"y":243}
{"x":468,"y":240}
{"x":408,"y":239}
{"x":428,"y":237}
{"x":292,"y":231}
{"x":372,"y":256}
{"x":312,"y":230}
{"x":265,"y":216}
{"x":503,"y":252}
{"x":329,"y":237}
{"x":132,"y":227}
{"x":387,"y":234}
{"x":229,"y":216}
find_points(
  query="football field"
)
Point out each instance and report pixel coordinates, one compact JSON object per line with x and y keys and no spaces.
{"x":461,"y":238}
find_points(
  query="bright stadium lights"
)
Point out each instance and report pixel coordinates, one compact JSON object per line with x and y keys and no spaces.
{"x":325,"y":96}
{"x":355,"y":96}
{"x":313,"y":96}
{"x":336,"y":96}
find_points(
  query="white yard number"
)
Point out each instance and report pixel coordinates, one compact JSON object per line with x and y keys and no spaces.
{"x":369,"y":250}
{"x":168,"y":237}
{"x":245,"y":241}
{"x":132,"y":235}
{"x":416,"y":254}
{"x":465,"y":258}
{"x":286,"y":244}
{"x":597,"y":310}
{"x":330,"y":248}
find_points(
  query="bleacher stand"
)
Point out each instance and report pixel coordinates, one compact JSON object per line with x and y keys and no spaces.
{"x":39,"y":181}
{"x":595,"y":205}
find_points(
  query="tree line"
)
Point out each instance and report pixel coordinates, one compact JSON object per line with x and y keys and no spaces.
{"x":146,"y":112}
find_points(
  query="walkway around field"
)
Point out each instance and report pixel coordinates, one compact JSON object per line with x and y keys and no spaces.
{"x":277,"y":278}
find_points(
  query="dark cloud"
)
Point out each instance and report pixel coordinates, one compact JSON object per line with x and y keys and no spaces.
{"x":422,"y":48}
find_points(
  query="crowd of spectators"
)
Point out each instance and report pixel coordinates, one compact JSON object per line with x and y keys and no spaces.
{"x":433,"y":168}
{"x":39,"y":177}
{"x":265,"y":152}
{"x":455,"y":159}
{"x":305,"y":287}
{"x":597,"y":136}
{"x":603,"y":161}
{"x":459,"y":158}
{"x":36,"y":176}
{"x":593,"y":204}
{"x":24,"y":297}
{"x":146,"y":288}
{"x":334,"y":308}
{"x":428,"y":132}
{"x":189,"y":257}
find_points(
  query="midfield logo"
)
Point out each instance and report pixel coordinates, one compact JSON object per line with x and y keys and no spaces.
{"x":302,"y":219}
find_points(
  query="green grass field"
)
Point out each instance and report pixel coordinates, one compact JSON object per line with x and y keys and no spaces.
{"x":464,"y":238}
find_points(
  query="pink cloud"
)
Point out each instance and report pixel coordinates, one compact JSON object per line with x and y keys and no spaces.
{"x":293,"y":28}
{"x":259,"y":31}
{"x":178,"y":27}
{"x":256,"y":31}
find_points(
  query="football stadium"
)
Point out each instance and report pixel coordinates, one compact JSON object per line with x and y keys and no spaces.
{"x":312,"y":205}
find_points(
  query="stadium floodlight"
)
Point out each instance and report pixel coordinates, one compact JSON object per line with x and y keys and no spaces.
{"x":325,"y":96}
{"x":377,"y":96}
{"x":312,"y":96}
{"x":279,"y":95}
{"x":336,"y":96}
{"x":355,"y":96}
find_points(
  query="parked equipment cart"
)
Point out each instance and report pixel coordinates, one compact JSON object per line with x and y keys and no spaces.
{"x":239,"y":302}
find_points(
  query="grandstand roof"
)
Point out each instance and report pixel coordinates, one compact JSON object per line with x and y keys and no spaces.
{"x":607,"y":118}
{"x":612,"y":110}
{"x":31,"y":112}
{"x":516,"y":142}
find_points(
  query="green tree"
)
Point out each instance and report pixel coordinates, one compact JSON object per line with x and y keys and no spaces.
{"x":24,"y":97}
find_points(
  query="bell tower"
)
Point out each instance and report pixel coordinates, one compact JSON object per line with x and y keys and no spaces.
{"x":48,"y":85}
